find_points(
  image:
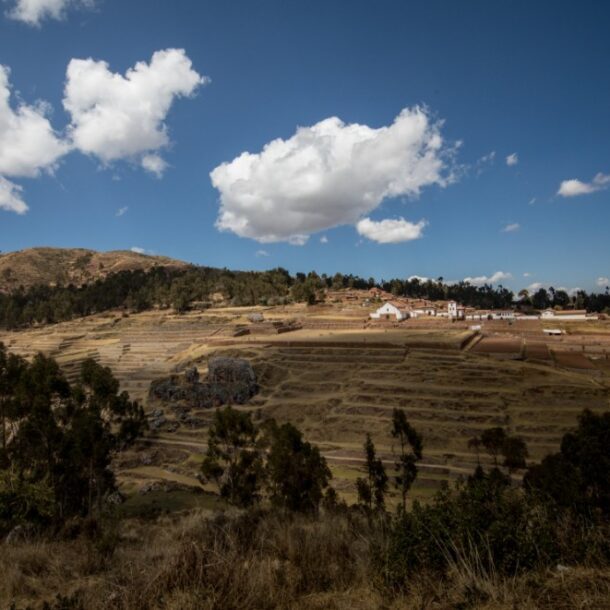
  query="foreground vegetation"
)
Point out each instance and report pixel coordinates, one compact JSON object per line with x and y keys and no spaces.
{"x":57,"y":440}
{"x":285,"y":539}
{"x":163,"y":287}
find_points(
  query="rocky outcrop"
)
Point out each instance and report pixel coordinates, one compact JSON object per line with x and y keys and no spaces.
{"x":229,"y":380}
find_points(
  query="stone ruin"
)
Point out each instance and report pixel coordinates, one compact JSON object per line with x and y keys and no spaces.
{"x":229,"y":380}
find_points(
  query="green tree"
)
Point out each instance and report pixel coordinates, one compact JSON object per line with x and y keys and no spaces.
{"x":410,"y":452}
{"x":515,"y":453}
{"x":493,"y":440}
{"x":498,"y":443}
{"x":11,"y":369}
{"x":296,"y":472}
{"x":557,"y":481}
{"x":540,"y":299}
{"x":579,"y":475}
{"x":64,"y":442}
{"x":233,"y":458}
{"x":372,"y":488}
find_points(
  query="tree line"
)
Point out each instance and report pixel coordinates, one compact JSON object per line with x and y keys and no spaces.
{"x":182,"y":289}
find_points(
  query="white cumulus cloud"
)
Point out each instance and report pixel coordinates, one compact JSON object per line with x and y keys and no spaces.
{"x":535,"y":286}
{"x":329,"y":174}
{"x":28,"y":144}
{"x":512,"y":159}
{"x":10,"y":197}
{"x":323,"y":239}
{"x":574,"y":187}
{"x":496,"y":277}
{"x":123,"y":117}
{"x":602,"y":282}
{"x":511,"y":228}
{"x":33,"y":12}
{"x":421,"y":278}
{"x":389,"y":231}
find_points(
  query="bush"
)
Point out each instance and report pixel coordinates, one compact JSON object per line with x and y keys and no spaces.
{"x":483,"y":518}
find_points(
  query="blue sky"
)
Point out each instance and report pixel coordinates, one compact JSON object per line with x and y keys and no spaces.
{"x":490,"y":79}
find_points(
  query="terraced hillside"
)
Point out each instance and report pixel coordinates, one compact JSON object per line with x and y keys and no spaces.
{"x":337,"y":394}
{"x":335,"y":383}
{"x":139,"y":348}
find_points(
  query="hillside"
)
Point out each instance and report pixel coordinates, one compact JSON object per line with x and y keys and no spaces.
{"x":77,"y":266}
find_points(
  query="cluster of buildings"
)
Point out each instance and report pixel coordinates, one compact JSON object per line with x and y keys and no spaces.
{"x":398,"y":309}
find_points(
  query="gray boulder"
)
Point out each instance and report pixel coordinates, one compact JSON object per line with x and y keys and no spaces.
{"x":232,"y":379}
{"x":229,"y":380}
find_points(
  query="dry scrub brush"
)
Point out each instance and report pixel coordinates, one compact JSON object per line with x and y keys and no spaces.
{"x":254,"y":560}
{"x":261,"y":560}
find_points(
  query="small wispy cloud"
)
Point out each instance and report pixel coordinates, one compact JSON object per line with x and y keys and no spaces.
{"x":391,"y":231}
{"x":484,"y":161}
{"x":527,"y":274}
{"x":138,"y":250}
{"x":33,"y":12}
{"x":511,"y":228}
{"x":532,"y":201}
{"x":122,"y":211}
{"x":602,"y":282}
{"x":323,"y":239}
{"x":535,"y":286}
{"x":261,"y":253}
{"x":574,"y":187}
{"x":154,"y":164}
{"x":417,"y":277}
{"x":512,"y":159}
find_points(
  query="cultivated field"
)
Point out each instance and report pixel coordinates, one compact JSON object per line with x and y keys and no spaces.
{"x":338,"y":377}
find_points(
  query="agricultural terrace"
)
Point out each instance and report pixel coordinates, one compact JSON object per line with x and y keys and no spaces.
{"x":337,"y":376}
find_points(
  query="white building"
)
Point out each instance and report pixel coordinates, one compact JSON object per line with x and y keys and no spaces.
{"x":455,"y":311}
{"x":426,"y":310}
{"x":568,"y":314}
{"x":391,"y":310}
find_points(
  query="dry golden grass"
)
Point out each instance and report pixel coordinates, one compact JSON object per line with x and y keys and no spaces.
{"x":71,"y":265}
{"x":266,"y":561}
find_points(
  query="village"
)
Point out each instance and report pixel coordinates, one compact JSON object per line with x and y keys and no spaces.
{"x":400,"y":309}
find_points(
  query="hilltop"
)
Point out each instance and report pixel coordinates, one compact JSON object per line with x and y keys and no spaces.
{"x":53,"y":266}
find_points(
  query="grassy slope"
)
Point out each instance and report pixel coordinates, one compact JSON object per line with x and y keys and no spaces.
{"x":70,"y":265}
{"x":190,"y":563}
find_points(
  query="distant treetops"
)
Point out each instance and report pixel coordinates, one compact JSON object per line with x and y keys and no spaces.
{"x":182,"y":289}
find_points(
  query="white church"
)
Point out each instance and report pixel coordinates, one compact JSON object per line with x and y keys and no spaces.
{"x":391,"y":310}
{"x":395,"y":310}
